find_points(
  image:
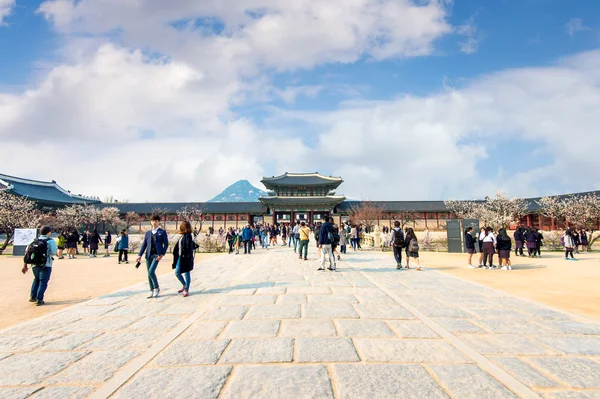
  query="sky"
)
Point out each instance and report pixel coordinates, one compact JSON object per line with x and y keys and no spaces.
{"x":148,"y":100}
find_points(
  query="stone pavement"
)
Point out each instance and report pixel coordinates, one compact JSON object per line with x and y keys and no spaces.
{"x":269,"y":325}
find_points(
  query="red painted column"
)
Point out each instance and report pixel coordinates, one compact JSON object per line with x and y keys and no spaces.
{"x":529,"y":222}
{"x":553,"y":226}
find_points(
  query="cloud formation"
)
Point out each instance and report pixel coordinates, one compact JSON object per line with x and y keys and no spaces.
{"x":575,"y":25}
{"x":6,"y":7}
{"x":162,"y":123}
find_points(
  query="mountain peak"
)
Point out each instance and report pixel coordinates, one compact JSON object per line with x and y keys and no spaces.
{"x":240,"y":191}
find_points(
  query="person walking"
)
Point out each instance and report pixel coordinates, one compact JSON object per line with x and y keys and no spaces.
{"x":538,"y":243}
{"x":353,"y":236}
{"x":230,"y":239}
{"x":44,"y":246}
{"x":237,"y":241}
{"x":107,"y":242}
{"x":247,"y":237}
{"x":397,"y":243}
{"x":583,"y":237}
{"x":95,"y":239}
{"x":489,"y":242}
{"x":123,"y":246}
{"x":519,"y":241}
{"x":569,"y":244}
{"x":480,"y":242}
{"x":155,"y":246}
{"x":343,"y":241}
{"x":336,"y":241}
{"x":325,"y":241}
{"x":576,"y":240}
{"x":85,"y":242}
{"x":183,"y":257}
{"x":470,"y":246}
{"x":503,"y":245}
{"x":531,"y":239}
{"x":265,"y":237}
{"x":61,"y":244}
{"x":296,"y":234}
{"x":284,"y":232}
{"x":303,"y":238}
{"x":72,"y":240}
{"x":412,"y":246}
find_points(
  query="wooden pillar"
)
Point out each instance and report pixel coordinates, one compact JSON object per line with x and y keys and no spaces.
{"x":213,"y":221}
{"x":237,"y":218}
{"x":541,"y":220}
{"x":529,"y":221}
{"x":553,"y":224}
{"x":437,"y":219}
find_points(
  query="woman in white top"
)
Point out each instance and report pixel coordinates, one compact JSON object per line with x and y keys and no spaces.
{"x":489,"y":242}
{"x":569,"y":243}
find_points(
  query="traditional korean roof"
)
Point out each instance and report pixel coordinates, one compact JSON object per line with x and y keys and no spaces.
{"x":43,"y":192}
{"x":301,"y":179}
{"x":320,"y":200}
{"x":391,"y":206}
{"x":253,"y":208}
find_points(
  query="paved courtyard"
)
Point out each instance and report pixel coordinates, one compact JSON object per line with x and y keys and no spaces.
{"x":269,"y":325}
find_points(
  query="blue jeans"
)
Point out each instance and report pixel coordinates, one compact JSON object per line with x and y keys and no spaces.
{"x":151,"y":265}
{"x":40,"y":282}
{"x":265,"y":240}
{"x":353,"y":242}
{"x":292,"y":239}
{"x":188,"y":278}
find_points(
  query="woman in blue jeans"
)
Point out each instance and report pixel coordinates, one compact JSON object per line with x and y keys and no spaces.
{"x":183,"y":257}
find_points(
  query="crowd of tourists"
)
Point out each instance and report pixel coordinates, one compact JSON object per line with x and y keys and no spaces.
{"x":489,"y":242}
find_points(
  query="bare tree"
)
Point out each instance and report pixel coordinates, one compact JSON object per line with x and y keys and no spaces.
{"x":16,"y":212}
{"x":193,"y":214}
{"x":367,"y":213}
{"x":405,"y":217}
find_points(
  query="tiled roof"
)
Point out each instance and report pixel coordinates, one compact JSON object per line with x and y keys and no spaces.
{"x":301,"y":179}
{"x":301,"y":200}
{"x":390,"y":206}
{"x":172,"y":207}
{"x":43,"y":192}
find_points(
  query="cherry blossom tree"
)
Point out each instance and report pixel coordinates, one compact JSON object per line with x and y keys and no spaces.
{"x":131,"y":218}
{"x":499,"y":211}
{"x":16,"y":212}
{"x":70,"y":217}
{"x":111,"y":216}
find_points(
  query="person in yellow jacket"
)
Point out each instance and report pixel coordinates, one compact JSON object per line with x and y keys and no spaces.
{"x":304,"y":239}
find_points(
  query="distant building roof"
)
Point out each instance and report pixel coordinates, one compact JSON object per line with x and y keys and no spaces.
{"x":299,"y":201}
{"x":301,"y":179}
{"x":43,"y":192}
{"x":391,"y":206}
{"x":172,"y":207}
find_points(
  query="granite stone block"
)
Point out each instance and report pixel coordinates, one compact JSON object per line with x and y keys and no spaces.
{"x":325,"y":350}
{"x":268,"y":350}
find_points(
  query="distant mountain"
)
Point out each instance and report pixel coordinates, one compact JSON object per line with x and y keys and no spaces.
{"x":240,"y":191}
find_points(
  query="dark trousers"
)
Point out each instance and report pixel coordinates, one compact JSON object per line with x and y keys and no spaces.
{"x":230,"y":246}
{"x":41,"y":276}
{"x":569,"y":251}
{"x":247,"y":246}
{"x":488,"y":253}
{"x":303,"y":249}
{"x":123,"y":255}
{"x":343,"y":249}
{"x":397,"y":254}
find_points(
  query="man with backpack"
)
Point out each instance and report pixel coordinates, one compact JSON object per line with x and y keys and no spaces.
{"x":39,"y":256}
{"x":325,"y":240}
{"x":397,"y":243}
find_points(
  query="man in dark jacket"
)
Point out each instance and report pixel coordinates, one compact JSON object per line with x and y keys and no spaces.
{"x":155,"y":245}
{"x":248,"y":238}
{"x":397,"y":243}
{"x":325,"y":241}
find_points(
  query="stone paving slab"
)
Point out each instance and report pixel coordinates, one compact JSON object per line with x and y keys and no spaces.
{"x":279,"y":382}
{"x":269,"y":326}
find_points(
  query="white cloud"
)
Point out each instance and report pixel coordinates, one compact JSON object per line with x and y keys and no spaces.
{"x":575,"y":25}
{"x":473,"y":37}
{"x":6,"y":7}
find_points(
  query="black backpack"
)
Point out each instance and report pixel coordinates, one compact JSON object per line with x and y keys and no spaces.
{"x":398,"y":239}
{"x":37,"y":253}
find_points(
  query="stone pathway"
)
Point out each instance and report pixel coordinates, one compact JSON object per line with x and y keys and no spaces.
{"x":271,"y":326}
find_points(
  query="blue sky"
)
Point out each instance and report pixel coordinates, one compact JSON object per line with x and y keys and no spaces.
{"x":247,"y":103}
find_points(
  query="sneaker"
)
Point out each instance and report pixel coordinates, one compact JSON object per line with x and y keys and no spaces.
{"x":127,"y":262}
{"x":480,"y":266}
{"x":320,"y":269}
{"x":398,"y":267}
{"x":32,"y":300}
{"x":510,"y":268}
{"x":575,"y":259}
{"x":566,"y":258}
{"x":119,"y":262}
{"x":39,"y":303}
{"x":339,"y":257}
{"x":305,"y":259}
{"x":471,"y":267}
{"x":155,"y":293}
{"x":151,"y":295}
{"x":331,"y":268}
{"x":186,"y":293}
{"x":504,"y":268}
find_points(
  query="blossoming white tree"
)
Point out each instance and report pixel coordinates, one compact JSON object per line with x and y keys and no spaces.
{"x":16,"y":212}
{"x":499,"y":211}
{"x":70,"y":217}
